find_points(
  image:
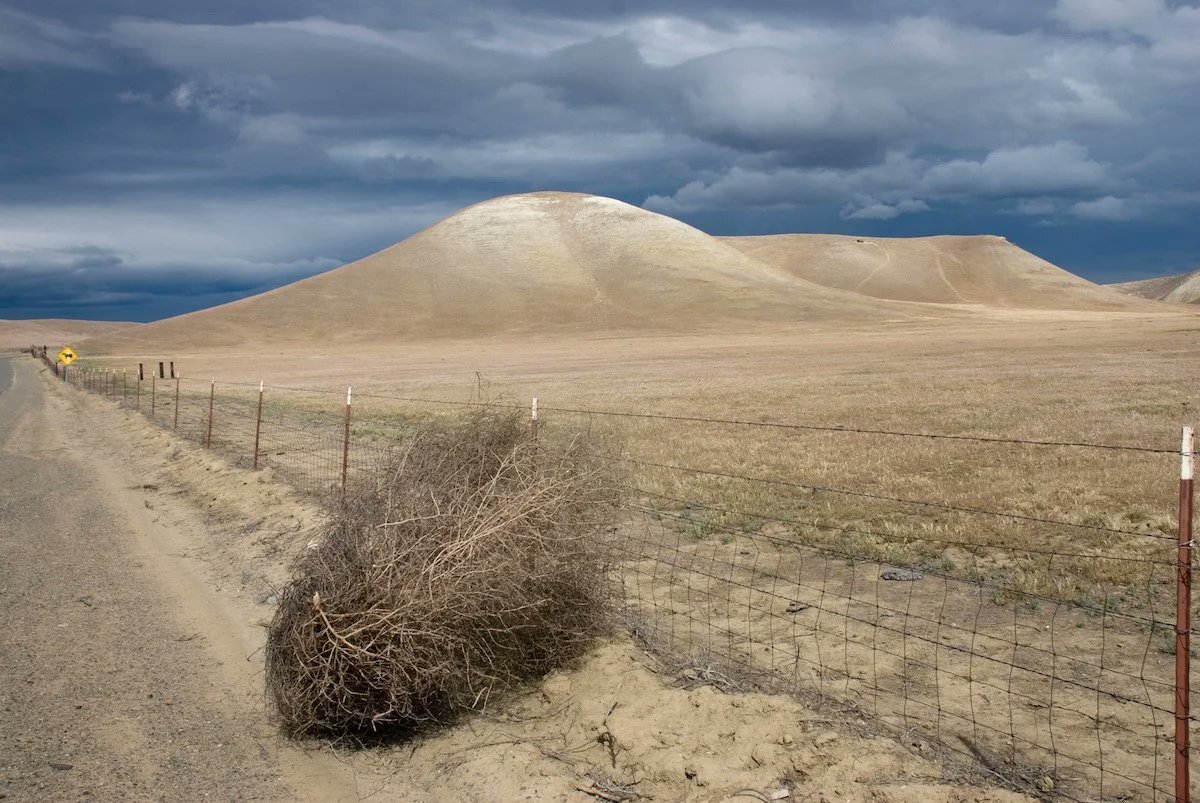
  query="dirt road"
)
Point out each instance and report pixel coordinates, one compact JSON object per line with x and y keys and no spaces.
{"x":125,"y":674}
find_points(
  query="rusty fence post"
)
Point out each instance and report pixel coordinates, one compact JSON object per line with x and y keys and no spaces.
{"x":175,"y":425}
{"x":346,"y":444}
{"x":257,"y":425}
{"x":1183,"y":615}
{"x":212,"y":392}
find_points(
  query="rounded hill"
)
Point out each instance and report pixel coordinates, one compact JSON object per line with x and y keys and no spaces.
{"x":521,"y":263}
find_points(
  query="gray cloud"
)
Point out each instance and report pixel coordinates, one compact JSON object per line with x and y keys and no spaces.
{"x":28,"y":40}
{"x":262,"y":140}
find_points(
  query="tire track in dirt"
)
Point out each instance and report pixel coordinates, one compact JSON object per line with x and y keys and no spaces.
{"x":126,"y":675}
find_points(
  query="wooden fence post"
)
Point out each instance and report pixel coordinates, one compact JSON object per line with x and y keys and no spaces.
{"x":1183,"y":614}
{"x":257,"y":425}
{"x":212,"y":392}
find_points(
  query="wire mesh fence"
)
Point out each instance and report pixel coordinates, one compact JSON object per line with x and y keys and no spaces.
{"x":1038,"y":639}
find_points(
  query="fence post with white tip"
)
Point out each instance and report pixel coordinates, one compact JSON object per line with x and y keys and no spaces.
{"x":533,"y":419}
{"x":257,"y":425}
{"x":175,"y":424}
{"x":1183,"y":612}
{"x":346,"y":443}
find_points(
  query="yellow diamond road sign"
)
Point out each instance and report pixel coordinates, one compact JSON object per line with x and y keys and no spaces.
{"x":67,"y":356}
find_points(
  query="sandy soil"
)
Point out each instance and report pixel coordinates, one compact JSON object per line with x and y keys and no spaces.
{"x":139,"y":576}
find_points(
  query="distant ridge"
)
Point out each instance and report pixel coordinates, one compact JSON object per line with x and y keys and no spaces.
{"x":980,"y":269}
{"x":1182,"y":288}
{"x":53,"y":332}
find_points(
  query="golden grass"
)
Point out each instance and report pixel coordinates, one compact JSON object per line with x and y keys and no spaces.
{"x":1106,"y":378}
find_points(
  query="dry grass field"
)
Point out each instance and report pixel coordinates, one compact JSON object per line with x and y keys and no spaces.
{"x":1106,"y":378}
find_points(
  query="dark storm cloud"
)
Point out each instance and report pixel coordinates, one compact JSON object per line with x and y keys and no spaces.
{"x":207,"y":150}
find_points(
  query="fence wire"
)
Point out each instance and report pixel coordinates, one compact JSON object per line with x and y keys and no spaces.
{"x":1039,"y":648}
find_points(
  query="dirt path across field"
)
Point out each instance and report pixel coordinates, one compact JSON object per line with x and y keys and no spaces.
{"x":125,"y":673}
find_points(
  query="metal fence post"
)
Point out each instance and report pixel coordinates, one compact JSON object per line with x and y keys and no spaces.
{"x":257,"y":425}
{"x":212,"y":392}
{"x":137,"y":398}
{"x":1183,"y":610}
{"x":346,"y":443}
{"x":175,"y":425}
{"x":124,"y":388}
{"x":533,"y":419}
{"x":153,"y":393}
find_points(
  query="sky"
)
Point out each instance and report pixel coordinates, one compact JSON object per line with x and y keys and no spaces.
{"x":160,"y":156}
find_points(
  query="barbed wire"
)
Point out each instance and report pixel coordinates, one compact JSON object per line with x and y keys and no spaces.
{"x":744,"y":422}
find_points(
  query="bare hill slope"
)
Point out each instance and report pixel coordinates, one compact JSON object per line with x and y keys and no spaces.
{"x":1182,"y":288}
{"x":983,"y":269}
{"x":53,"y":332}
{"x":520,"y":263}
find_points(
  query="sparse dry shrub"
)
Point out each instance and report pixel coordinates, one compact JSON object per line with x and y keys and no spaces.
{"x":469,"y":561}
